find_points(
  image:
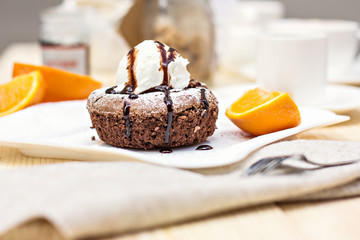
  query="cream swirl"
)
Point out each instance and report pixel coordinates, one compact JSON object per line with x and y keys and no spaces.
{"x":151,"y":64}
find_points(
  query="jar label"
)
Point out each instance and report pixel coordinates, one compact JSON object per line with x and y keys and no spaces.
{"x":69,"y":58}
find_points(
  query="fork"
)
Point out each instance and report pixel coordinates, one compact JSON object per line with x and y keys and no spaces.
{"x":265,"y":165}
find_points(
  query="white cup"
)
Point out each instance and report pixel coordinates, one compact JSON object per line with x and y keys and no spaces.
{"x":257,"y":12}
{"x":295,"y":64}
{"x":246,"y":24}
{"x":341,"y":36}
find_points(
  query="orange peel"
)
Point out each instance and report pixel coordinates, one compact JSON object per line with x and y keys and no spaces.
{"x":260,"y":112}
{"x":22,"y":91}
{"x":60,"y":85}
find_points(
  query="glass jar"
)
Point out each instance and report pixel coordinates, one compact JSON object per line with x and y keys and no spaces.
{"x":64,"y":38}
{"x":187,"y":26}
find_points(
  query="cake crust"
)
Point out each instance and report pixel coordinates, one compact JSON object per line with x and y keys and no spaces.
{"x":143,"y":122}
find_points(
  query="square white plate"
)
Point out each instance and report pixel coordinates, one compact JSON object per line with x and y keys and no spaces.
{"x":62,"y":130}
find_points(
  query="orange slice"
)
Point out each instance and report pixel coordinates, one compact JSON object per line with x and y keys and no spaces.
{"x":260,"y":112}
{"x":60,"y":85}
{"x":21,"y":92}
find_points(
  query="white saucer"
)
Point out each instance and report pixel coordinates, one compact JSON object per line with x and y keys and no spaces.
{"x":341,"y":99}
{"x":351,"y":78}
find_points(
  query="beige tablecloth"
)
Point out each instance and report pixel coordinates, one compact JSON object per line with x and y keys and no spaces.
{"x":98,"y":199}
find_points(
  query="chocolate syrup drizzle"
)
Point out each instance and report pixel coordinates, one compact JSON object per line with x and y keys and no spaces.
{"x":132,"y":83}
{"x":165,"y":61}
{"x":111,"y":90}
{"x":170,"y":114}
{"x":126,"y":111}
{"x":169,"y":106}
{"x":128,"y":89}
{"x":204,"y":147}
{"x":204,"y":101}
{"x":166,"y":58}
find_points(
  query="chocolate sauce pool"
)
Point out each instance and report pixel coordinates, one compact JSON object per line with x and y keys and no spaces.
{"x":165,"y":150}
{"x":204,"y":147}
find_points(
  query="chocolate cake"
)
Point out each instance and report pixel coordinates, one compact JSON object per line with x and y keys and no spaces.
{"x":160,"y":118}
{"x":155,"y":104}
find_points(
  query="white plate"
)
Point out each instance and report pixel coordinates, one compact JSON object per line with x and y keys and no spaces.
{"x":62,"y":130}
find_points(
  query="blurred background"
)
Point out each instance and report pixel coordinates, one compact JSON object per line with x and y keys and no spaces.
{"x":19,"y":19}
{"x":91,"y":36}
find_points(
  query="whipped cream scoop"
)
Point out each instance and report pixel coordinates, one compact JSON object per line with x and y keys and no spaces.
{"x":151,"y":64}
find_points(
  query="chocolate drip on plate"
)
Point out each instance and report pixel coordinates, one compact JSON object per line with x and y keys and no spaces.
{"x":204,"y":147}
{"x":165,"y":150}
{"x":126,"y":111}
{"x":204,"y":101}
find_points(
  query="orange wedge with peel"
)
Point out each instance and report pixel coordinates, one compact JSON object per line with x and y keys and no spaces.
{"x":60,"y":85}
{"x":22,"y":91}
{"x":260,"y":112}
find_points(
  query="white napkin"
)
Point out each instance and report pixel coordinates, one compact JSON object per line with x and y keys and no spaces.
{"x":85,"y":200}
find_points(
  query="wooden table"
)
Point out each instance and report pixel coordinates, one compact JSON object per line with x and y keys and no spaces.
{"x":336,"y":219}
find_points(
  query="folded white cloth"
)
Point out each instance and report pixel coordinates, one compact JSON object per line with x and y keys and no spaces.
{"x":96,"y":199}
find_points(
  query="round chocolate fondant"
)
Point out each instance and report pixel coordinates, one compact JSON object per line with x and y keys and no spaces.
{"x":160,"y":118}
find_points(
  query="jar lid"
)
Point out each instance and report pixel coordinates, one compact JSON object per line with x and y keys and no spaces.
{"x":64,"y":24}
